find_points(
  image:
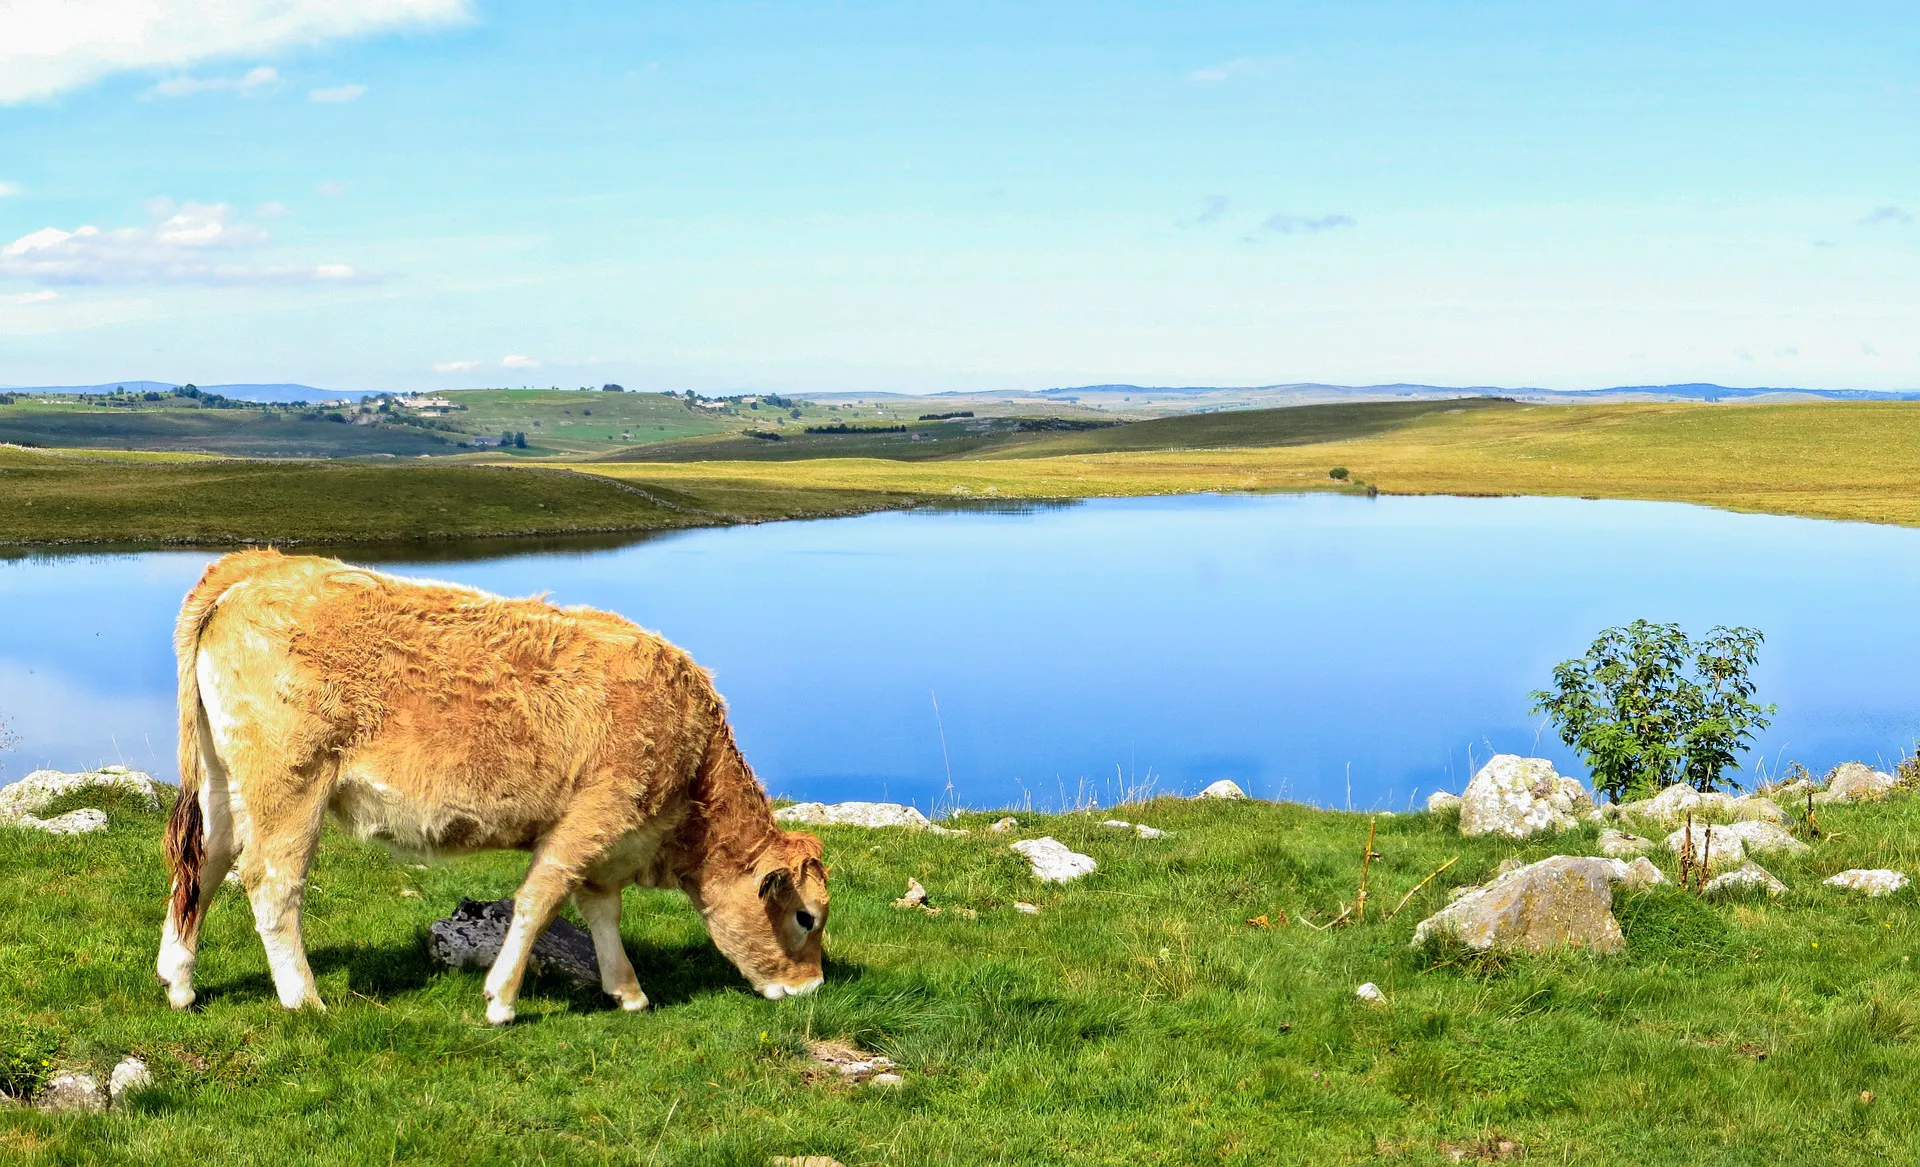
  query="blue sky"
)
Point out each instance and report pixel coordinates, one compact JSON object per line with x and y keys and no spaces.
{"x":922,"y":197}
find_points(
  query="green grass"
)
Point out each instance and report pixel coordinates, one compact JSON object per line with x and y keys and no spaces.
{"x":1138,"y":1018}
{"x":53,"y":498}
{"x":260,"y":433}
{"x":574,"y":422}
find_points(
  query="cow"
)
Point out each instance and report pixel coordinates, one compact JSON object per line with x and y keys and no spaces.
{"x":443,"y":720}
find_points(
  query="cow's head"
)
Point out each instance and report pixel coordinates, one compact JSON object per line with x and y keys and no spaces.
{"x":768,"y":919}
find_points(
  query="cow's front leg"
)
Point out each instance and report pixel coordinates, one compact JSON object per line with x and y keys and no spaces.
{"x":600,"y":908}
{"x":533,"y":909}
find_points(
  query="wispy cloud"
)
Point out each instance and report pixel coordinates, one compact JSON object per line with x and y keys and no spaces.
{"x":1887,"y":216}
{"x":332,"y":188}
{"x":10,"y":189}
{"x":516,"y":361}
{"x":29,"y":297}
{"x":1211,"y":208}
{"x":270,"y":210}
{"x":255,"y":81}
{"x":1226,"y":70}
{"x":337,"y":94}
{"x":457,"y":366}
{"x":47,"y":46}
{"x":1306,"y":225}
{"x":195,"y":243}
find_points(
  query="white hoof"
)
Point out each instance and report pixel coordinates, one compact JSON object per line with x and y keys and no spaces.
{"x":498,"y":1014}
{"x":634,"y":1004}
{"x":181,"y":997}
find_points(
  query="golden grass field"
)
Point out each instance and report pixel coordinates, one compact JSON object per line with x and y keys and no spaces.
{"x":1835,"y":460}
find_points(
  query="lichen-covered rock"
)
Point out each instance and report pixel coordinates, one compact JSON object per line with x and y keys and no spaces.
{"x":1621,"y":845}
{"x":1641,"y":873}
{"x":1053,"y":861}
{"x":21,"y":803}
{"x":853,"y":814}
{"x":1856,"y":782}
{"x":1872,"y":881}
{"x":1726,"y":845}
{"x":129,"y":1076}
{"x":1225,"y":788}
{"x":1673,"y":804}
{"x":1519,"y":797}
{"x":1746,"y":877}
{"x":69,"y":1093}
{"x":1440,"y":801}
{"x":1562,"y":902}
{"x":472,"y":936}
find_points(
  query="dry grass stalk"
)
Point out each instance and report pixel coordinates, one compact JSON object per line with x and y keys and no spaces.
{"x":1418,"y":886}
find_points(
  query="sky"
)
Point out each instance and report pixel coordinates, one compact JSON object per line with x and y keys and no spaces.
{"x":440,"y":194}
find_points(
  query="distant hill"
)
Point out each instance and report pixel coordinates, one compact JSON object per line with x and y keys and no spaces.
{"x":1301,"y":393}
{"x":263,"y":393}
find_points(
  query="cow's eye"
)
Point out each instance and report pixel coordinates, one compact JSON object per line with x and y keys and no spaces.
{"x":804,"y":919}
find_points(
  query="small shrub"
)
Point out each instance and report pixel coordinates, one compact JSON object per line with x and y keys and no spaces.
{"x":26,"y":1057}
{"x":1906,"y":775}
{"x":1338,"y":473}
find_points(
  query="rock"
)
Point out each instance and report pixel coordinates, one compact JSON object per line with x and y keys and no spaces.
{"x":1052,"y":861}
{"x":1440,"y":801}
{"x":1004,"y":825}
{"x":1641,"y":873}
{"x":129,"y":1076}
{"x":1140,"y":829}
{"x":21,"y":803}
{"x":1857,"y":782}
{"x":886,"y":1080}
{"x":1672,"y":805}
{"x":1725,"y":845}
{"x":853,"y":814}
{"x":1874,"y":882}
{"x":1519,"y":797}
{"x":69,"y":1093}
{"x":854,"y":1065}
{"x":1747,"y":876}
{"x":1371,"y":994}
{"x":471,"y":938}
{"x":1025,"y":907}
{"x":916,"y":896}
{"x":1225,"y":788}
{"x":1794,"y":791}
{"x":1565,"y":901}
{"x":1620,"y":845}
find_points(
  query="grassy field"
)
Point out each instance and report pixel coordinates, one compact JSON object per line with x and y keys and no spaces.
{"x":65,"y":497}
{"x":1829,"y":460}
{"x":1137,"y":1019}
{"x":172,"y":425}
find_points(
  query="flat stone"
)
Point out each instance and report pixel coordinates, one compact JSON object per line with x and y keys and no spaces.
{"x":1052,"y":861}
{"x":84,"y":821}
{"x":1520,"y":797}
{"x":472,"y":936}
{"x":1872,"y":881}
{"x":21,"y":803}
{"x":130,"y":1075}
{"x":1225,"y":788}
{"x":1025,"y":908}
{"x":70,"y":1093}
{"x":849,"y":1062}
{"x":1565,"y":901}
{"x":1440,"y":800}
{"x":1621,"y":845}
{"x":1746,"y":877}
{"x":1140,"y":829}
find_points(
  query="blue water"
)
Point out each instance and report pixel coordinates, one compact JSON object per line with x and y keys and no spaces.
{"x":1332,"y":649}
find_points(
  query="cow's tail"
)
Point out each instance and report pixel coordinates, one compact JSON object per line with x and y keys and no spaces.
{"x":186,"y":836}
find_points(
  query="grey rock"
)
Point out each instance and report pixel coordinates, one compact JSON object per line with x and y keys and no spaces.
{"x":1564,"y":901}
{"x":129,"y":1076}
{"x":1858,"y":782}
{"x":1052,"y":861}
{"x":1520,"y":797}
{"x":1620,"y":845}
{"x":71,"y":1093}
{"x":1371,"y":994}
{"x":1641,"y":873}
{"x":1140,"y":829}
{"x":1726,"y":845}
{"x":916,"y":896}
{"x":1673,"y":805}
{"x":1746,"y":877}
{"x":472,"y":936}
{"x":21,"y":803}
{"x":853,"y":814}
{"x":1872,"y":881}
{"x":1225,"y":788}
{"x":1002,"y":826}
{"x":1440,"y":801}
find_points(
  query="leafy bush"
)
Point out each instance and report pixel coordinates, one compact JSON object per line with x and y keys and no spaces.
{"x":1647,"y":707}
{"x":1337,"y":473}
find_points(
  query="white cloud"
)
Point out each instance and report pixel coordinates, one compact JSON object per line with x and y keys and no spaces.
{"x":457,"y":366}
{"x":47,"y":46}
{"x":516,"y":361}
{"x":270,"y":210}
{"x":332,"y":188}
{"x":255,"y":81}
{"x":9,"y":189}
{"x":337,"y":94}
{"x":191,"y":244}
{"x":29,"y":298}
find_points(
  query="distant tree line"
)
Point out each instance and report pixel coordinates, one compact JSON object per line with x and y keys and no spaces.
{"x":841,"y":427}
{"x":946,"y":416}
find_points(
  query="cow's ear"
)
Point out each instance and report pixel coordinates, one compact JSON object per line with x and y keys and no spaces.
{"x":812,"y":868}
{"x":780,"y":879}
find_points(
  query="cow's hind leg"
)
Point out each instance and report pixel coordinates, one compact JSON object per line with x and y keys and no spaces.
{"x":275,"y":874}
{"x":221,"y":824}
{"x":601,"y":910}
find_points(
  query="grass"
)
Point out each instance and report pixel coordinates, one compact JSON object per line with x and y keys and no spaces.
{"x":253,"y":433}
{"x":54,"y":498}
{"x":1837,"y":460}
{"x":1137,"y":1018}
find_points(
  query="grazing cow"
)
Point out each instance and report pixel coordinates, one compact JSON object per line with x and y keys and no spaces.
{"x":443,"y":720}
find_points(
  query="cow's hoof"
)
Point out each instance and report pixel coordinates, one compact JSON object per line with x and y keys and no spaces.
{"x":634,"y":1004}
{"x":498,"y":1014}
{"x":181,"y":997}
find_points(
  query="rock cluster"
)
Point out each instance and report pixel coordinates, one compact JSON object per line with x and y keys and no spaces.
{"x":79,"y":1093}
{"x":21,"y":803}
{"x":855,"y":1065}
{"x":1873,"y":882}
{"x":472,"y":936}
{"x":1520,"y":797}
{"x":859,"y":814}
{"x":1725,"y":845}
{"x":1676,"y":802}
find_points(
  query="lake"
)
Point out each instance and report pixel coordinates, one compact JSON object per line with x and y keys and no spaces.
{"x":1338,"y":650}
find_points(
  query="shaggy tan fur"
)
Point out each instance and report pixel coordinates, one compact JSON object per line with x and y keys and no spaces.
{"x":444,"y":720}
